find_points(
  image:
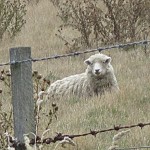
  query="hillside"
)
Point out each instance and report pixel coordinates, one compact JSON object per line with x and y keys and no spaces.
{"x":130,"y":106}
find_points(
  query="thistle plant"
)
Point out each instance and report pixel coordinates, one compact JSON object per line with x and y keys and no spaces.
{"x":40,"y":85}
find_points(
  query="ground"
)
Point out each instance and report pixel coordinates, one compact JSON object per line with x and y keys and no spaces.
{"x":129,"y":106}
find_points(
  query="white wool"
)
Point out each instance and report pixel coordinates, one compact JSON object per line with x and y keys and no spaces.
{"x":98,"y":78}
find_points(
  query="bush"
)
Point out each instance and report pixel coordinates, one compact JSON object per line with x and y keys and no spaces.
{"x":40,"y":85}
{"x":12,"y":15}
{"x":105,"y":22}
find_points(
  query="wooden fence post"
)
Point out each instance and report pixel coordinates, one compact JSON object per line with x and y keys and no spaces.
{"x":22,"y":92}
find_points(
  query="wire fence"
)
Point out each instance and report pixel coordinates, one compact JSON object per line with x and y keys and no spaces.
{"x":144,"y":42}
{"x":60,"y":137}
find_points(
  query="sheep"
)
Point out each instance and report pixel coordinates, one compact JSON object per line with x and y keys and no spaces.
{"x":98,"y":78}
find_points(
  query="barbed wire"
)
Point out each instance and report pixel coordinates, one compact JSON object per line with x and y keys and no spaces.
{"x":144,"y":42}
{"x":60,"y":136}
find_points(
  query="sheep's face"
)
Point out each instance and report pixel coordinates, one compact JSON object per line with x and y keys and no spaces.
{"x":98,"y":64}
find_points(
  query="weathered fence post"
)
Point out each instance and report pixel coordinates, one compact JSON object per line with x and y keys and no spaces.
{"x":22,"y":92}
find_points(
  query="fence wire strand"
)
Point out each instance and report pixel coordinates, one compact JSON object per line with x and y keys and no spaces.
{"x":144,"y":42}
{"x":59,"y":136}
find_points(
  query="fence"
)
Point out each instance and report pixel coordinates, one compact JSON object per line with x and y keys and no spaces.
{"x":144,"y":42}
{"x":22,"y":92}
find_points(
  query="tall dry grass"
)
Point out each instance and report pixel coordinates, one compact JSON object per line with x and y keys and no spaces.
{"x":130,"y":106}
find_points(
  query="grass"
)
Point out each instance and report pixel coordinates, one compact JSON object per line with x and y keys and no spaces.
{"x":130,"y":106}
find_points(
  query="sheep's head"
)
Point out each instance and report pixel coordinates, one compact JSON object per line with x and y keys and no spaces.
{"x":98,"y":64}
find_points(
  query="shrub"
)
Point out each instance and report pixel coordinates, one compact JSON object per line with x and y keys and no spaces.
{"x":40,"y":84}
{"x":12,"y":15}
{"x":105,"y":22}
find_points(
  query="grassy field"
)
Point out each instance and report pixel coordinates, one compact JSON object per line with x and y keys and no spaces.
{"x":130,"y":106}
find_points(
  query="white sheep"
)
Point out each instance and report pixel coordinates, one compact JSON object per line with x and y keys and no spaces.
{"x":98,"y":78}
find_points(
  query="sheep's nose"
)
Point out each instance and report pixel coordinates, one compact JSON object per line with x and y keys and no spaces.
{"x":97,"y":71}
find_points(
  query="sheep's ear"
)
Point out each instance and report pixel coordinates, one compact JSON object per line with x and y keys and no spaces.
{"x":88,"y":62}
{"x":108,"y":60}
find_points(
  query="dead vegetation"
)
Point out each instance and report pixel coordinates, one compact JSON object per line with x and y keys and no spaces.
{"x":75,"y":115}
{"x":102,"y":22}
{"x":12,"y":17}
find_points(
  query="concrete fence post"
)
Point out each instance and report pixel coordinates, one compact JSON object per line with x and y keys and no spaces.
{"x":22,"y":92}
